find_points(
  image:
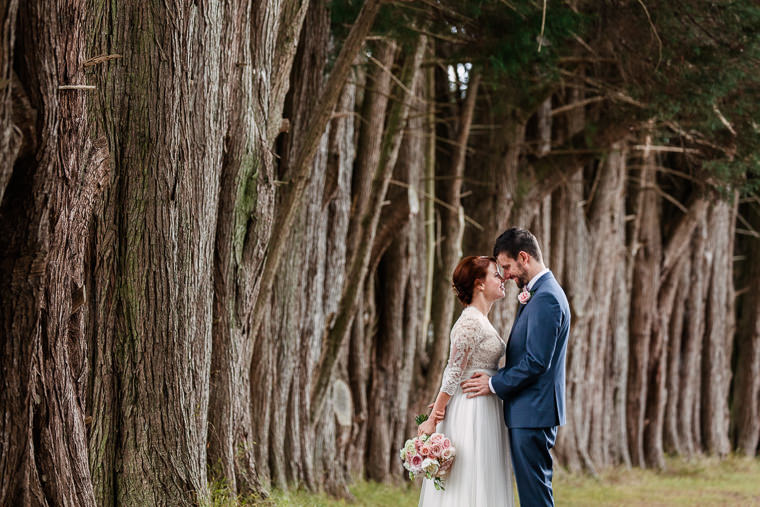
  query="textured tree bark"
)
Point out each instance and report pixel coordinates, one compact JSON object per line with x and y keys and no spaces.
{"x":671,"y":441}
{"x":646,"y":276}
{"x":716,"y":367}
{"x":374,"y":106}
{"x":452,"y":228}
{"x":338,"y":330}
{"x":606,"y":215}
{"x":494,"y":180}
{"x":576,"y":284}
{"x":746,"y":386}
{"x":277,"y":380}
{"x":52,"y":175}
{"x":656,"y":389}
{"x":167,"y":140}
{"x":245,"y":214}
{"x":387,"y":360}
{"x":336,"y":472}
{"x":619,"y":322}
{"x":689,"y":403}
{"x":660,"y":349}
{"x":300,"y":170}
{"x":399,"y":297}
{"x":10,"y":133}
{"x":358,"y":376}
{"x":565,"y":448}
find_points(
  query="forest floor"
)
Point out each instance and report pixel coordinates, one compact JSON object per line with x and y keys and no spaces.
{"x":702,"y":482}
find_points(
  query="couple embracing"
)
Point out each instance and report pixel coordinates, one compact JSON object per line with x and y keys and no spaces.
{"x":528,"y":393}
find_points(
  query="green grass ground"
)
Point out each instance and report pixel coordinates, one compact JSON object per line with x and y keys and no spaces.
{"x":704,"y":482}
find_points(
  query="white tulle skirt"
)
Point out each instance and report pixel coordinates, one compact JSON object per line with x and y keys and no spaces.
{"x":481,"y":475}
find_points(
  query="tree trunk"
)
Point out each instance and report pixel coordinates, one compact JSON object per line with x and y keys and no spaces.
{"x":49,"y":188}
{"x":646,"y":277}
{"x":716,"y":368}
{"x":165,"y":192}
{"x":243,"y":225}
{"x":452,"y":229}
{"x":619,"y":329}
{"x":671,"y":441}
{"x":10,"y":131}
{"x":607,"y":211}
{"x":387,"y":361}
{"x":369,"y":146}
{"x":746,"y":386}
{"x":398,"y":301}
{"x":338,"y":330}
{"x":300,"y":173}
{"x":660,"y":349}
{"x":689,"y":404}
{"x":658,"y":358}
{"x":576,"y":284}
{"x":290,"y":453}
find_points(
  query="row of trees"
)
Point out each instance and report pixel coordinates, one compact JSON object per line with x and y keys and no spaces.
{"x":229,"y":228}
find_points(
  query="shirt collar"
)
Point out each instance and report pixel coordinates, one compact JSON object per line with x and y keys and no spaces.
{"x":535,"y":278}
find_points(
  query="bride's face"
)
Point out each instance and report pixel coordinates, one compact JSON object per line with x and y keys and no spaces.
{"x":494,"y":283}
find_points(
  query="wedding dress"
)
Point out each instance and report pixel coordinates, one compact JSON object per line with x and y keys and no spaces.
{"x":481,"y":475}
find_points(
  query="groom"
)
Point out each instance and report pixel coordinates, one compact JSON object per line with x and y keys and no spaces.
{"x":532,"y":384}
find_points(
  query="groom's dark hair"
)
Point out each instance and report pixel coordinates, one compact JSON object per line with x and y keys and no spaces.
{"x":516,"y":240}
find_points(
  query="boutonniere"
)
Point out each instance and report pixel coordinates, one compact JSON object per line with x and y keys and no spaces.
{"x":525,"y":295}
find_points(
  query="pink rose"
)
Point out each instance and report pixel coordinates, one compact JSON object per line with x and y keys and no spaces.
{"x":418,"y":444}
{"x":524,"y":296}
{"x":416,"y":460}
{"x":446,"y":443}
{"x":437,"y":449}
{"x":425,"y":450}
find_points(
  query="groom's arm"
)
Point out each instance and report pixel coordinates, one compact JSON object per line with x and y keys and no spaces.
{"x":544,"y":323}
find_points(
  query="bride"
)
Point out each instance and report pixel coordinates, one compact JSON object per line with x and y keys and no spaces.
{"x":482,"y":471}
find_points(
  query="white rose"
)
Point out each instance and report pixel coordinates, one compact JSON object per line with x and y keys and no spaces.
{"x":430,"y":466}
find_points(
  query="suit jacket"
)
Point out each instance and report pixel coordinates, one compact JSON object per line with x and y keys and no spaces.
{"x":532,"y":383}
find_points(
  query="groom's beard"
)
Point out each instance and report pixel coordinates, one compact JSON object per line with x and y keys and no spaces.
{"x":522,"y":280}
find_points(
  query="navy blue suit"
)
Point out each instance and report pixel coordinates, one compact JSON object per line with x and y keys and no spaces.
{"x":532,"y":385}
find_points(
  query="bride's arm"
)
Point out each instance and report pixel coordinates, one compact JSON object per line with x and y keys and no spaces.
{"x":437,"y":414}
{"x":462,"y":338}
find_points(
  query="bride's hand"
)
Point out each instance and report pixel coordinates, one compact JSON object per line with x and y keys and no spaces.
{"x":426,"y":428}
{"x":438,"y":415}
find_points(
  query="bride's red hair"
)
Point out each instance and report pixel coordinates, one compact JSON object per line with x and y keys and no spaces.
{"x":468,"y":271}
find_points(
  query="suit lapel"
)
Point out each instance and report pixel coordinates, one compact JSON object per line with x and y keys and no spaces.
{"x":536,"y":286}
{"x":517,"y":317}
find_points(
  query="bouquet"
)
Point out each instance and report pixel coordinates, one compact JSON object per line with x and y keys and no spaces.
{"x":431,"y":455}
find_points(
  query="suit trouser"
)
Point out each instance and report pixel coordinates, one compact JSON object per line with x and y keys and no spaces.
{"x":533,"y":464}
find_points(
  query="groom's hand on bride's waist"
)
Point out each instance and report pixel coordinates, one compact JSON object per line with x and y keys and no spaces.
{"x":477,"y":385}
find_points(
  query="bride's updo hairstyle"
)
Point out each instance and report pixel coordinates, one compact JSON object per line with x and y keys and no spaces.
{"x":469,"y":270}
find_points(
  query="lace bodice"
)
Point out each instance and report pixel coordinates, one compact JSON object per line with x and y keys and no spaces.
{"x":474,"y":344}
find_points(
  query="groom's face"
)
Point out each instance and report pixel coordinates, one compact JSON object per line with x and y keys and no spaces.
{"x":514,"y":269}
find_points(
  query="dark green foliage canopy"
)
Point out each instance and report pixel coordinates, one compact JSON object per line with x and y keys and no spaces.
{"x":688,"y":69}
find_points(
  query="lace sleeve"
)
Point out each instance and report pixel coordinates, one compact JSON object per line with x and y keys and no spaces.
{"x":463,"y":337}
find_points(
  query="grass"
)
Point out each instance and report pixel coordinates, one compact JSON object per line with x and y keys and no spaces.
{"x":702,"y":482}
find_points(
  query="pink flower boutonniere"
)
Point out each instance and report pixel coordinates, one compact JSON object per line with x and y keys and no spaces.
{"x":524,"y":296}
